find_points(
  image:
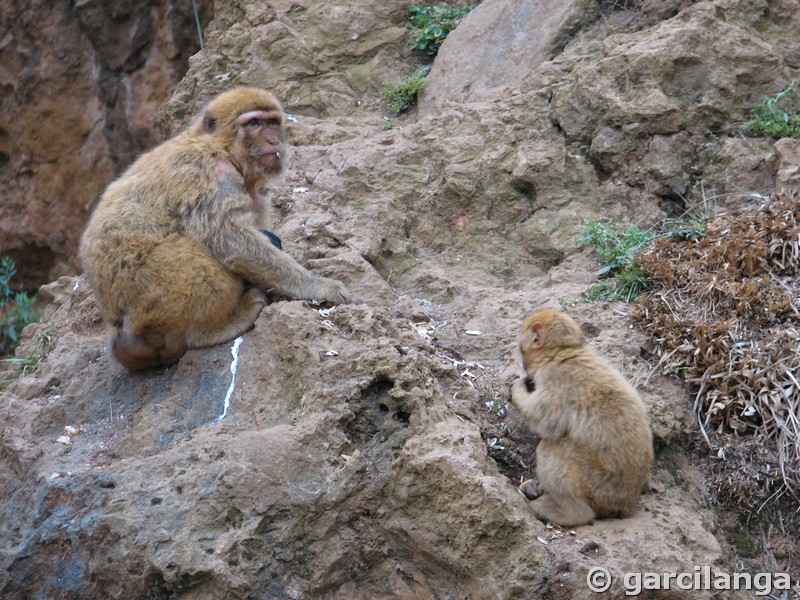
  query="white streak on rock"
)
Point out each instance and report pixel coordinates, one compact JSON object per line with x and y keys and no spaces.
{"x":234,"y":364}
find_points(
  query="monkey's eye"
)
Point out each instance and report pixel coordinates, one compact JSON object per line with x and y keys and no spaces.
{"x":253,"y":123}
{"x":273,"y":122}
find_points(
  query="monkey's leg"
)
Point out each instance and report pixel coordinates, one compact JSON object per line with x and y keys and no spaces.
{"x":563,"y":485}
{"x":132,"y":351}
{"x":200,"y":303}
{"x":239,"y":321}
{"x":562,"y":510}
{"x":183,"y":298}
{"x":531,"y":489}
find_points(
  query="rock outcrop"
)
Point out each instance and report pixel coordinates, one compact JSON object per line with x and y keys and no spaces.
{"x":81,"y":85}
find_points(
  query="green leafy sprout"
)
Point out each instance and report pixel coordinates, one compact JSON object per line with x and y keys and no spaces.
{"x":39,"y":350}
{"x":17,"y":309}
{"x":398,"y":96}
{"x":685,"y":229}
{"x":431,"y":24}
{"x":616,"y":251}
{"x":776,"y":116}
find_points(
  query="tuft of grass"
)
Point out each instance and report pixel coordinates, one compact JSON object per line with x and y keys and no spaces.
{"x":776,"y":116}
{"x":37,"y":352}
{"x":16,"y":308}
{"x":431,"y":24}
{"x":617,"y":249}
{"x":616,"y":252}
{"x":398,"y":96}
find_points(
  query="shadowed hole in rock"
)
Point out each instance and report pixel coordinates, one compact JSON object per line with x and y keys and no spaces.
{"x":374,"y":414}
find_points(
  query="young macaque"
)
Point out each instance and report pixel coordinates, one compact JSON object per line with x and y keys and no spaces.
{"x":596,"y":448}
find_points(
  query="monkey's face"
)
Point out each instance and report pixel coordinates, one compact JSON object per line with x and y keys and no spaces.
{"x":258,"y":147}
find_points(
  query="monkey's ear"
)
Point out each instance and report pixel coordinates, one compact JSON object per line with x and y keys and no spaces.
{"x":532,"y":338}
{"x":536,"y":336}
{"x":209,"y":121}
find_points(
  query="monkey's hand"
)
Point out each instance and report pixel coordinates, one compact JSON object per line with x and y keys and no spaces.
{"x":333,"y":291}
{"x":520,"y":391}
{"x":530,"y":488}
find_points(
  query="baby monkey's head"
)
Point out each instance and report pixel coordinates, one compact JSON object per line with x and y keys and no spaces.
{"x":546,"y":332}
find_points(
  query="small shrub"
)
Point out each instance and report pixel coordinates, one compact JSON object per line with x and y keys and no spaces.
{"x":776,"y":117}
{"x":616,"y":252}
{"x":398,"y":97}
{"x":724,"y":312}
{"x":431,"y":24}
{"x":16,"y":308}
{"x":685,"y":229}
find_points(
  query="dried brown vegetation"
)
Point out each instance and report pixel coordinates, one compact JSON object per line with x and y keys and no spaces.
{"x":725,"y":313}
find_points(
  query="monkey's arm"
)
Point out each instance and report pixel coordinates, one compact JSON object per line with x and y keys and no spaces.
{"x":250,"y":254}
{"x":227,"y":223}
{"x":546,"y":416}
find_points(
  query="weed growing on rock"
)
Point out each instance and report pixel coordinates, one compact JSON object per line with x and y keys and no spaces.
{"x":37,"y":352}
{"x":431,"y":24}
{"x":16,"y":308}
{"x":776,"y":117}
{"x":616,"y":251}
{"x":398,"y":96}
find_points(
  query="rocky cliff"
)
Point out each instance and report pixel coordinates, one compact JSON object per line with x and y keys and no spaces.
{"x":81,"y":85}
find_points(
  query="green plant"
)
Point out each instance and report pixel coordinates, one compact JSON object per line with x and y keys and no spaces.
{"x":431,"y":24}
{"x":776,"y":117}
{"x":16,"y":308}
{"x":685,"y":228}
{"x":37,"y":352}
{"x":565,"y":304}
{"x":616,"y":252}
{"x":399,"y":96}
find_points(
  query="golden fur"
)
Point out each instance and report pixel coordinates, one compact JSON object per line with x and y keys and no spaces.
{"x":596,"y":448}
{"x":173,"y":242}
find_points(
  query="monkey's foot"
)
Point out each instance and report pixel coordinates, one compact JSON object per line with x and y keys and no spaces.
{"x":530,"y":489}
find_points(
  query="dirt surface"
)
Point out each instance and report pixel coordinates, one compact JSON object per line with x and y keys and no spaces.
{"x":369,"y":451}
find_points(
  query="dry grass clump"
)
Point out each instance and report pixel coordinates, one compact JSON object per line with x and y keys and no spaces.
{"x":724,"y":312}
{"x":744,"y":474}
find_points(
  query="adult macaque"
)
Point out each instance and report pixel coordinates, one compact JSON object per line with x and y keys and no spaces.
{"x":596,"y":448}
{"x":179,"y":252}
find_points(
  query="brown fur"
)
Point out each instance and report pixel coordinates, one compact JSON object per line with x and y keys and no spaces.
{"x":596,"y":448}
{"x":174,"y":241}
